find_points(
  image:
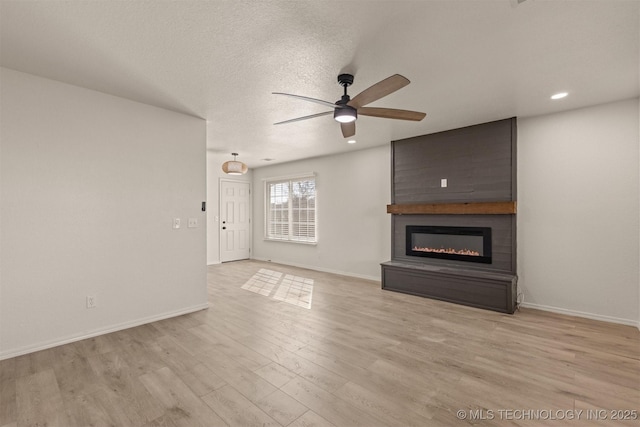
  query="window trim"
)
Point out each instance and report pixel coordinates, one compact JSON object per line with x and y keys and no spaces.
{"x":289,"y":178}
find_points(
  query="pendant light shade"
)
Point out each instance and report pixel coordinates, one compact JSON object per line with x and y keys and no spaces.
{"x":234,"y":167}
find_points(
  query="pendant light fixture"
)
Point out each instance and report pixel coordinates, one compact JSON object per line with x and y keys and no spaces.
{"x":234,"y":167}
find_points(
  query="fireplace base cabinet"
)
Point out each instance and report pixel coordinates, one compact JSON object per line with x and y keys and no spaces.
{"x":482,"y":289}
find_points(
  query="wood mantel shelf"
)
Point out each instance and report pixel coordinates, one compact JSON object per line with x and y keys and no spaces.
{"x":470,"y":208}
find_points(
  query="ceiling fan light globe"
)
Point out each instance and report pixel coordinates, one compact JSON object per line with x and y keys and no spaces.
{"x":345,"y":115}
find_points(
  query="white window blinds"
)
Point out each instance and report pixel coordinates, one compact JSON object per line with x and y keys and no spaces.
{"x":291,"y":209}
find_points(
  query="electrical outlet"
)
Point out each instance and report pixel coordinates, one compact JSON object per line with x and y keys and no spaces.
{"x":91,"y":301}
{"x":193,"y":223}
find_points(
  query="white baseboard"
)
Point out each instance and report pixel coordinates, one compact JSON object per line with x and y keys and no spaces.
{"x":114,"y":328}
{"x":586,"y":315}
{"x":324,"y":270}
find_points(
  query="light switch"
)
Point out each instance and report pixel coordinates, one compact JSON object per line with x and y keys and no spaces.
{"x":443,"y":182}
{"x":176,"y":223}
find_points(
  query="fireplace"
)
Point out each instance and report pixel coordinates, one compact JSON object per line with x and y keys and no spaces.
{"x":455,"y":242}
{"x":471,"y":244}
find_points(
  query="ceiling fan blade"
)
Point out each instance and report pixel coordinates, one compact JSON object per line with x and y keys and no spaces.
{"x":379,"y":90}
{"x":305,"y":117}
{"x":306,"y":98}
{"x":391,"y":113}
{"x":348,"y":129}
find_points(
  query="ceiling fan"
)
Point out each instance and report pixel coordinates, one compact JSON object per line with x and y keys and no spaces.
{"x":346,"y":110}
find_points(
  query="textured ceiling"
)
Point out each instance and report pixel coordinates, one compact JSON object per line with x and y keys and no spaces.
{"x":468,"y":61}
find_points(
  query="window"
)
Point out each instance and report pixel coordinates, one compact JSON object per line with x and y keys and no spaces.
{"x":291,"y":209}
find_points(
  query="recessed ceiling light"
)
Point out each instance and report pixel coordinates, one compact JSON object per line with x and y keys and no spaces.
{"x":351,"y":141}
{"x":559,"y":95}
{"x":268,"y":159}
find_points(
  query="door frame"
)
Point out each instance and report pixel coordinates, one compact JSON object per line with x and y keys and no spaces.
{"x":219,"y":222}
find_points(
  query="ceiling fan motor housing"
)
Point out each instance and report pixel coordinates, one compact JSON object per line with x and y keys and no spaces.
{"x":345,"y":79}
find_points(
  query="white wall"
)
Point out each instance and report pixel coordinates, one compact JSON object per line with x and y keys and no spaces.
{"x":578,"y":211}
{"x":214,"y":175}
{"x":354,"y":230}
{"x":90,"y":184}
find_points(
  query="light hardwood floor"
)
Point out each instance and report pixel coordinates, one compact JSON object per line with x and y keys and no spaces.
{"x":359,"y":356}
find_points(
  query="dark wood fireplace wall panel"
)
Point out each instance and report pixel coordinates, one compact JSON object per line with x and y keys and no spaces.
{"x":502,"y":234}
{"x":477,"y":161}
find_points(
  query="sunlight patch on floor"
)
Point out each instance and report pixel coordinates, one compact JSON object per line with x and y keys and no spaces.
{"x":263,"y":282}
{"x":295,"y":290}
{"x":292,"y":289}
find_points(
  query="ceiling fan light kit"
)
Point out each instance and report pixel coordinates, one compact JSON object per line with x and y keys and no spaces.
{"x":346,"y":110}
{"x":234,"y":167}
{"x":345,"y":115}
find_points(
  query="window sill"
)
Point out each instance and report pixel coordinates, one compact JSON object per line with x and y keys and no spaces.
{"x":297,"y":242}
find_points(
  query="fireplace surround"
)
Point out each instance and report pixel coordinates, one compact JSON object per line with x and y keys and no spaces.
{"x":455,"y":242}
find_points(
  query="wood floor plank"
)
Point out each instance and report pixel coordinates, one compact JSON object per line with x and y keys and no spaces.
{"x":230,"y":347}
{"x":235,"y":320}
{"x":32,"y":363}
{"x":334,"y":363}
{"x":89,"y":410}
{"x":238,"y":376}
{"x":76,"y":377}
{"x":141,"y":357}
{"x":96,"y":345}
{"x":181,"y":404}
{"x":376,"y":403}
{"x":8,"y":411}
{"x":281,"y":407}
{"x":237,"y":410}
{"x":416,"y":393}
{"x":276,"y":374}
{"x":120,"y":388}
{"x":191,"y":371}
{"x":183,"y":337}
{"x":163,"y":421}
{"x":327,"y":405}
{"x":38,"y":400}
{"x":312,"y":372}
{"x":311,"y":419}
{"x":296,"y":364}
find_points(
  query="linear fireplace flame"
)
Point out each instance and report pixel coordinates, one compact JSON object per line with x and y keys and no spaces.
{"x":453,"y":251}
{"x":472,"y":244}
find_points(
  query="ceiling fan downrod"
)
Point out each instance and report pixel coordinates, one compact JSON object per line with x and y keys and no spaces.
{"x":345,"y":80}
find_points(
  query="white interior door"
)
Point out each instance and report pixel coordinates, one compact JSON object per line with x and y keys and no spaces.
{"x":235,"y":220}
